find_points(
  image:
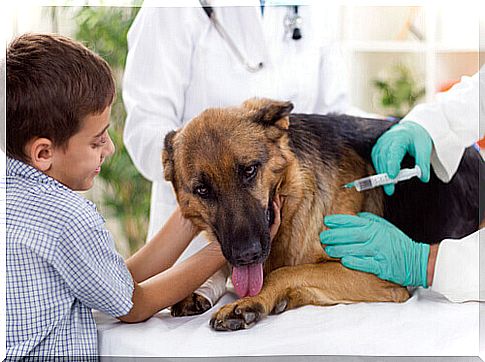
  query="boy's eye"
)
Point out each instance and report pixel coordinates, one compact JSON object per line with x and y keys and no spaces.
{"x":101,"y":141}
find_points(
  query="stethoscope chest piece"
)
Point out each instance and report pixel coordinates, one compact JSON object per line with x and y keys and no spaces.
{"x":292,"y":24}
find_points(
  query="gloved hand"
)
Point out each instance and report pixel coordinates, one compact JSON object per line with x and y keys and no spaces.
{"x":371,"y":244}
{"x":392,"y":146}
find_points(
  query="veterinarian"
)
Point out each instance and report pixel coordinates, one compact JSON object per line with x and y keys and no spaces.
{"x":181,"y":61}
{"x":435,"y":134}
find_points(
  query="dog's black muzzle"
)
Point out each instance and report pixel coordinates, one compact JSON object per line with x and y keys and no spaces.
{"x":245,"y":238}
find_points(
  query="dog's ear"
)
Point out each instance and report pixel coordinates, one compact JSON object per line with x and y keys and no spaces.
{"x":168,"y":157}
{"x":269,"y":112}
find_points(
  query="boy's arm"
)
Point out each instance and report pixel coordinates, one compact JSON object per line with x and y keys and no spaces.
{"x":161,"y":252}
{"x":174,"y":284}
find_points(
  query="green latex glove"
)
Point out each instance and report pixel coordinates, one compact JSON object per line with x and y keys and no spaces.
{"x":371,"y":244}
{"x":392,"y":146}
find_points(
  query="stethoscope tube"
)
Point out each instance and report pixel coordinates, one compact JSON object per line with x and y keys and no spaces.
{"x":292,"y":23}
{"x":224,"y":35}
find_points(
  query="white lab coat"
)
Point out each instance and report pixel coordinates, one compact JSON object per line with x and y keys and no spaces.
{"x":178,"y":65}
{"x":452,"y":121}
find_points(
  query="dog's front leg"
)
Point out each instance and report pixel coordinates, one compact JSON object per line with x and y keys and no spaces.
{"x":204,"y":297}
{"x":318,"y":284}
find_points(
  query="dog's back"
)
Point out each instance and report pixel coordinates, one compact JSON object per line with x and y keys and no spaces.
{"x":427,"y":212}
{"x":431,"y":212}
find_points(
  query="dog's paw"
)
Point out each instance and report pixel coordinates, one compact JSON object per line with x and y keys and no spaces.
{"x":400,"y":295}
{"x":242,"y":314}
{"x":192,"y":305}
{"x":280,"y":307}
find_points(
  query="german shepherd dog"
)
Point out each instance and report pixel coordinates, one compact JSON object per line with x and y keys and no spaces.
{"x":228,"y":164}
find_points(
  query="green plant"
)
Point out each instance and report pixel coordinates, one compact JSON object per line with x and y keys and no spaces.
{"x":104,"y":30}
{"x":399,"y":92}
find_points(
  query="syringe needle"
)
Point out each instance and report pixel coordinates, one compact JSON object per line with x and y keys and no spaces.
{"x":348,"y":186}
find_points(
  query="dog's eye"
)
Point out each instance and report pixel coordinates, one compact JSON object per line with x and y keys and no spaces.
{"x":202,"y":191}
{"x":249,"y":172}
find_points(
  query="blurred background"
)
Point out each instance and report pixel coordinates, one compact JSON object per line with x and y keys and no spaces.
{"x":397,"y":56}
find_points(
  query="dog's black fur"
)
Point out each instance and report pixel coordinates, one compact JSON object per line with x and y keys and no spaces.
{"x":427,"y":212}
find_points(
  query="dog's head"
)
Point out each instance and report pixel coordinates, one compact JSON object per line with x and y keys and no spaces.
{"x":225,"y":167}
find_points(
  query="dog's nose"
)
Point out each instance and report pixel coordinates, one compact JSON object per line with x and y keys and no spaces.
{"x":250,"y":254}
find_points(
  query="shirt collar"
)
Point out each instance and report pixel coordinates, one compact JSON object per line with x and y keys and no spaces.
{"x":16,"y":168}
{"x":21,"y":169}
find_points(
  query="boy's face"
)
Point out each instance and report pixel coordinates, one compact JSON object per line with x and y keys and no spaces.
{"x":77,"y":165}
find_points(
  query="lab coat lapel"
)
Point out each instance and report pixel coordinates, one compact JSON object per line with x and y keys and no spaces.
{"x":244,"y":26}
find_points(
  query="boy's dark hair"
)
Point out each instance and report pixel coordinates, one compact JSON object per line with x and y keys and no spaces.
{"x":53,"y":83}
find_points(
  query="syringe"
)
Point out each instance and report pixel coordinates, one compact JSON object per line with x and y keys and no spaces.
{"x":370,"y":182}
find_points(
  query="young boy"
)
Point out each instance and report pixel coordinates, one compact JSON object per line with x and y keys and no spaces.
{"x":61,"y":260}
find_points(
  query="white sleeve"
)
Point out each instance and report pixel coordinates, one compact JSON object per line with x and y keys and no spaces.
{"x":452,"y":121}
{"x":457,"y":274}
{"x":333,"y":90}
{"x":215,"y":286}
{"x":157,"y":72}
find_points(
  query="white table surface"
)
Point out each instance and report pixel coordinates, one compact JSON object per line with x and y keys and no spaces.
{"x":425,"y":325}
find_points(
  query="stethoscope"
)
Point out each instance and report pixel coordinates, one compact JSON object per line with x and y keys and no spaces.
{"x":292,"y":24}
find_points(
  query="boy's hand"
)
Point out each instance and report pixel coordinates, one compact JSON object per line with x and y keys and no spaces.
{"x":185,"y":224}
{"x":277,"y":203}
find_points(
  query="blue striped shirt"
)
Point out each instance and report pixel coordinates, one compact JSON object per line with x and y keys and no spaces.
{"x":61,"y":263}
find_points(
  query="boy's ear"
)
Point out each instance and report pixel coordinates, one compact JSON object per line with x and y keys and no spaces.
{"x":168,"y":157}
{"x":40,"y":152}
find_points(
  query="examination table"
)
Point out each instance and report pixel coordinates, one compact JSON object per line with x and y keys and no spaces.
{"x":426,"y":325}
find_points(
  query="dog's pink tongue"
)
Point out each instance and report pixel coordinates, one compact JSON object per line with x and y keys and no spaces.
{"x":248,"y":279}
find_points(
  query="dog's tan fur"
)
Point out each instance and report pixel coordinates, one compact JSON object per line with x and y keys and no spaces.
{"x":297,"y":271}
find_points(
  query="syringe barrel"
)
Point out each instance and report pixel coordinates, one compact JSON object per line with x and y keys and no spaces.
{"x":382,"y":179}
{"x":371,"y":182}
